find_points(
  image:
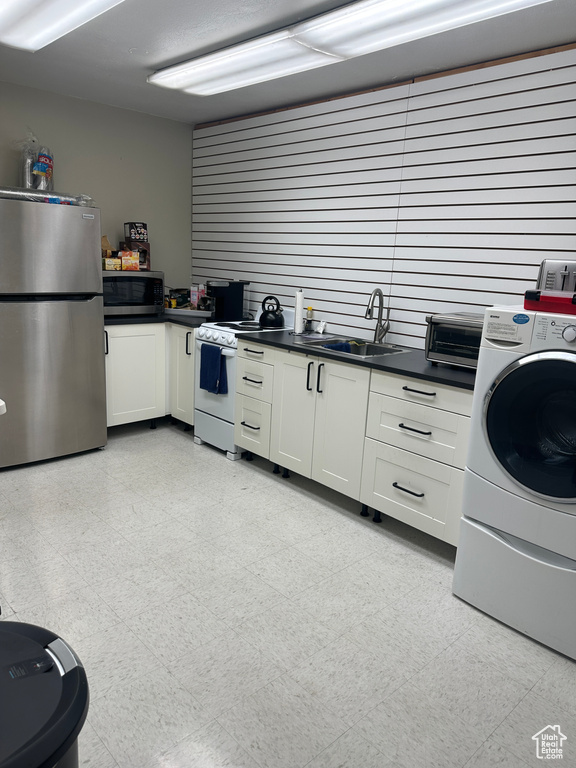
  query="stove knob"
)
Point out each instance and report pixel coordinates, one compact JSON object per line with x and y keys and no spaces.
{"x":223,"y":338}
{"x":230,"y":339}
{"x":569,"y":333}
{"x":201,"y":332}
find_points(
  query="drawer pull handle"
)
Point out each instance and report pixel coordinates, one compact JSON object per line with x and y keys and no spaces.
{"x":412,"y":493}
{"x":243,"y":423}
{"x":419,"y":431}
{"x":308,"y":387}
{"x":419,"y":392}
{"x":318,"y":379}
{"x":253,"y":351}
{"x":188,"y":335}
{"x":252,"y":381}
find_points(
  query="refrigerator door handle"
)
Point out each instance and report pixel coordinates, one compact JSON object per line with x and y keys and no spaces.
{"x":105,"y":342}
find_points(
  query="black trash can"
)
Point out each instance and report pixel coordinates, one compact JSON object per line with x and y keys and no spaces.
{"x":43,"y":698}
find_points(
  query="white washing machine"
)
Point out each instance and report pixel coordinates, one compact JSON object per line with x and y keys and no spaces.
{"x":516,"y":558}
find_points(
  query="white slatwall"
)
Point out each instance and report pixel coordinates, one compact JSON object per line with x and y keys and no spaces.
{"x":447,"y":193}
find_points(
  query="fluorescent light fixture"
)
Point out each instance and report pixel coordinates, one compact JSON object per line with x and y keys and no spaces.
{"x":354,"y":30}
{"x":33,"y":24}
{"x":372,"y":25}
{"x":265,"y":58}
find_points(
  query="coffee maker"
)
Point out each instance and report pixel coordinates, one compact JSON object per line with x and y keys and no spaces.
{"x":228,"y":298}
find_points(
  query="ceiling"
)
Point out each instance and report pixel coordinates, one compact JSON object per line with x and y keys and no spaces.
{"x":107,"y":60}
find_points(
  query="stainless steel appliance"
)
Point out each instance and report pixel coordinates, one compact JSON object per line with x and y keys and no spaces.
{"x":214,"y":413}
{"x":52,"y":376}
{"x":454,"y":338}
{"x":555,"y":275}
{"x":133,"y":293}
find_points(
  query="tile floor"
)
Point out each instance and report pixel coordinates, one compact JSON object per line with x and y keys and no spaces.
{"x":228,"y":617}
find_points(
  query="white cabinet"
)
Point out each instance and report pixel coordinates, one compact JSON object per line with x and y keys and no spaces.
{"x":257,"y":352}
{"x":439,"y":435}
{"x":135,"y":372}
{"x":293,"y":409}
{"x":252,"y":425}
{"x":415,"y":449}
{"x":318,"y":419}
{"x":422,"y":493}
{"x":254,"y":384}
{"x":181,"y":372}
{"x":254,"y":379}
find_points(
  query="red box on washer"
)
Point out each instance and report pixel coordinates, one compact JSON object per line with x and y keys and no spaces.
{"x":558,"y":302}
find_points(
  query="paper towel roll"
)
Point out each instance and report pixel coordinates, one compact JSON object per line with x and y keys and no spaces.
{"x":299,"y":312}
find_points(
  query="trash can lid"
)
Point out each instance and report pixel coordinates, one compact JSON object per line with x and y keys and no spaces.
{"x":43,"y":696}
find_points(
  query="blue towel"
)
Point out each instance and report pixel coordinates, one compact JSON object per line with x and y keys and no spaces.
{"x":341,"y":346}
{"x":213,"y":370}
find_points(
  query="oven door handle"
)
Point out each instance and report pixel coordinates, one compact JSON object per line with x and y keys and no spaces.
{"x":225,"y":351}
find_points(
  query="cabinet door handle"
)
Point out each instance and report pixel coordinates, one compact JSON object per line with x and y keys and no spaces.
{"x":419,"y":392}
{"x":188,"y":334}
{"x":253,"y":351}
{"x":318,"y":379}
{"x":106,"y":349}
{"x":252,"y":381}
{"x":419,"y":431}
{"x":412,"y":493}
{"x":243,"y":423}
{"x":308,"y":387}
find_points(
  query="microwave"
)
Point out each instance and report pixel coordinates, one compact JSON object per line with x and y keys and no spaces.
{"x":454,"y":338}
{"x":133,"y":293}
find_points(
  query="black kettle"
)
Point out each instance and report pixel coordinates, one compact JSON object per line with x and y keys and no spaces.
{"x":271,"y":316}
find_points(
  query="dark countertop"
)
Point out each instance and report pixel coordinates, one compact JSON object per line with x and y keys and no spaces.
{"x":163,"y":318}
{"x":412,"y":363}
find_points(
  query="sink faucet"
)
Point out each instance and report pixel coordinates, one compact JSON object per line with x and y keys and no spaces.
{"x":382,"y":328}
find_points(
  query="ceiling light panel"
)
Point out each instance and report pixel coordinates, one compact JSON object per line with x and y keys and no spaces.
{"x":373,"y":25}
{"x":266,"y":58}
{"x":354,"y":30}
{"x":33,"y":24}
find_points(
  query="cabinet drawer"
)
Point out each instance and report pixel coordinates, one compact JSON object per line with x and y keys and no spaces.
{"x":430,"y":432}
{"x":254,"y":379}
{"x":252,"y":351}
{"x":422,"y":493}
{"x":252,"y":427}
{"x":424,"y":392}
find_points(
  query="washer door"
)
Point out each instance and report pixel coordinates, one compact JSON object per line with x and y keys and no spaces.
{"x":530,"y":423}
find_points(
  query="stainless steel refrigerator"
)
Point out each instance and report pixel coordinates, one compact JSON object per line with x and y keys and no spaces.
{"x":52,"y":375}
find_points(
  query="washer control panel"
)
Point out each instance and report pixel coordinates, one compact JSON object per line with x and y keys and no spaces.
{"x":554,"y":332}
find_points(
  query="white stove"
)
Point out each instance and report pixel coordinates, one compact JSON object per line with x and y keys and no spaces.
{"x":214,"y":413}
{"x":224,"y":332}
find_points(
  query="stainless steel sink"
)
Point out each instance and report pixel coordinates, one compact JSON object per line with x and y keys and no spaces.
{"x":357,"y":347}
